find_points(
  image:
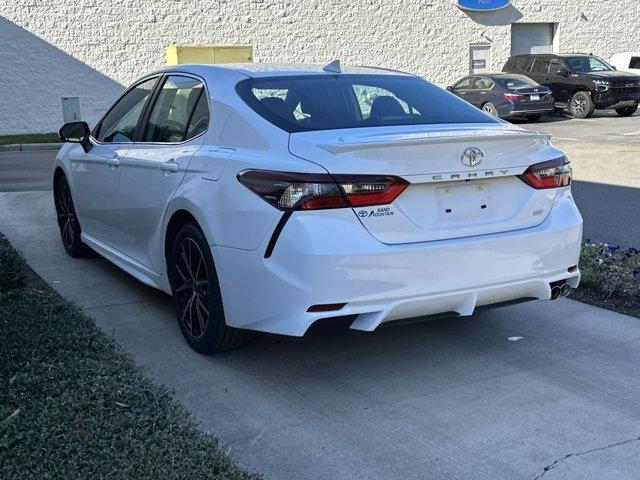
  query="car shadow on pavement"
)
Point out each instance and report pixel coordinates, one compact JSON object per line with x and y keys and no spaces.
{"x":611,"y":213}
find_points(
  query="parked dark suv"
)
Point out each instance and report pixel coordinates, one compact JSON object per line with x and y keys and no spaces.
{"x":580,"y":82}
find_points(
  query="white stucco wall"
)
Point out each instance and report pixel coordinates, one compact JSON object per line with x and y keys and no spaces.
{"x":93,"y":48}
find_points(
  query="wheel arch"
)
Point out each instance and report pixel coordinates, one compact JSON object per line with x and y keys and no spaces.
{"x":182,"y":213}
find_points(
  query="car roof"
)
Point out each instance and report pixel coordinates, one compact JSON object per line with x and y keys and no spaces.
{"x":259,"y":69}
{"x":498,"y":74}
{"x":563,"y":54}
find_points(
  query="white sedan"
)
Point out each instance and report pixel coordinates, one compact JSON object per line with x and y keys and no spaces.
{"x":270,"y":197}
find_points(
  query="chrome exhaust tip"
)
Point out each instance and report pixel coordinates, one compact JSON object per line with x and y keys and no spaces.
{"x":555,"y":292}
{"x":565,"y":290}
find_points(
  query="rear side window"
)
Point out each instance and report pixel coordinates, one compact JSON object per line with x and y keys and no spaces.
{"x":483,"y":83}
{"x":540,"y":65}
{"x":510,"y":65}
{"x":516,"y":64}
{"x":634,"y":62}
{"x":325,"y":102}
{"x":174,"y":112}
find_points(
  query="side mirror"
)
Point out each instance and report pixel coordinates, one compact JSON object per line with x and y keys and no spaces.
{"x":613,"y":67}
{"x":450,"y":88}
{"x":563,"y":72}
{"x":76,"y":132}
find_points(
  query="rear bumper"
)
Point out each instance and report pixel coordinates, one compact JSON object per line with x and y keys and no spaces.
{"x":532,"y":111}
{"x":327,"y":257}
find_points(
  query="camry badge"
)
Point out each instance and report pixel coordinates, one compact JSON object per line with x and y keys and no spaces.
{"x":472,"y":156}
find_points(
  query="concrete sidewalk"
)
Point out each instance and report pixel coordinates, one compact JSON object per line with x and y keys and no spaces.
{"x":29,"y":147}
{"x":445,"y":399}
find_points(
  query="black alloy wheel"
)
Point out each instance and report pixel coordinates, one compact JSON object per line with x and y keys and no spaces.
{"x":191,"y":288}
{"x":70,"y":231}
{"x":581,"y":105}
{"x":196,"y":295}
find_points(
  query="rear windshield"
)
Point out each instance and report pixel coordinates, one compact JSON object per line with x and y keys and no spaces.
{"x":516,"y":81}
{"x":326,"y":102}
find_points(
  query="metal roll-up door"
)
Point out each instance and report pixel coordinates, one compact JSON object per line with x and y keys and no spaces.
{"x":531,"y":38}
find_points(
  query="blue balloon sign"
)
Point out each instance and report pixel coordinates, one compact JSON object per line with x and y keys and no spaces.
{"x":482,"y":5}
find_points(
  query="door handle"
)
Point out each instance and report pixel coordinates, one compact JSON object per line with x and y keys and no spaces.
{"x":169,"y":167}
{"x":114,"y":163}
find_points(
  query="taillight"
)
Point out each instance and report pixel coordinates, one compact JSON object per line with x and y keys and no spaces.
{"x":550,"y":174}
{"x":514,"y":96}
{"x":303,"y":191}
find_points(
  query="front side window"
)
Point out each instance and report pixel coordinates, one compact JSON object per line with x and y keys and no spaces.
{"x":587,"y":64}
{"x":464,"y":84}
{"x":119,"y":124}
{"x":325,"y":102}
{"x":179,"y":113}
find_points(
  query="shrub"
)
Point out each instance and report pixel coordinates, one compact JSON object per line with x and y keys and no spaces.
{"x":11,"y":267}
{"x":613,"y":271}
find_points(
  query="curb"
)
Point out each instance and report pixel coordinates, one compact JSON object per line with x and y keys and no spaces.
{"x":29,"y":147}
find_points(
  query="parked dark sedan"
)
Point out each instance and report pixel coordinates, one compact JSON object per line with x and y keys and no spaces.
{"x":505,"y":95}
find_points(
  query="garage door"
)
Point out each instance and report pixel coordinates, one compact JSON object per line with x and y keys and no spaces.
{"x":531,"y":38}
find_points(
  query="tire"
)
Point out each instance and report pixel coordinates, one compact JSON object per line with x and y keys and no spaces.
{"x":627,"y":111}
{"x":581,"y":105}
{"x":196,"y":295}
{"x":70,"y":231}
{"x":490,"y":108}
{"x":534,"y":118}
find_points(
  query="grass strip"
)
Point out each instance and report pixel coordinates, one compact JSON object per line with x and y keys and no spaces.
{"x":74,"y":405}
{"x":30,"y":138}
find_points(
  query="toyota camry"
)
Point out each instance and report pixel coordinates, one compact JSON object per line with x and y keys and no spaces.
{"x":266,"y":197}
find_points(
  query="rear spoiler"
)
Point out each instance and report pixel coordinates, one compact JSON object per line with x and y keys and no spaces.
{"x":442,"y":136}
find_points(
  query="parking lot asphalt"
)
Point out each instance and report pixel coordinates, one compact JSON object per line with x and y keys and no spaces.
{"x":447,"y":399}
{"x":605,"y":156}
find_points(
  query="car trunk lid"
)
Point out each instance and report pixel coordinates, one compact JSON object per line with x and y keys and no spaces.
{"x":451,"y":193}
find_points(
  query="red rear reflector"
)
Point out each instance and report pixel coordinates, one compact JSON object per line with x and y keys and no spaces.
{"x":550,"y":174}
{"x":326,"y":307}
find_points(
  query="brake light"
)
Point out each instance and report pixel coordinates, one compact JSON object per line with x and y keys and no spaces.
{"x":303,"y":191}
{"x":514,"y":96}
{"x":550,"y":174}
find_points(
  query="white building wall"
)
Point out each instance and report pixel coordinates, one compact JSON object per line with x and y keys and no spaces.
{"x":92,"y":48}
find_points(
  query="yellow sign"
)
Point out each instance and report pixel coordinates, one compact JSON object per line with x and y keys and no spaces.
{"x":177,"y":54}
